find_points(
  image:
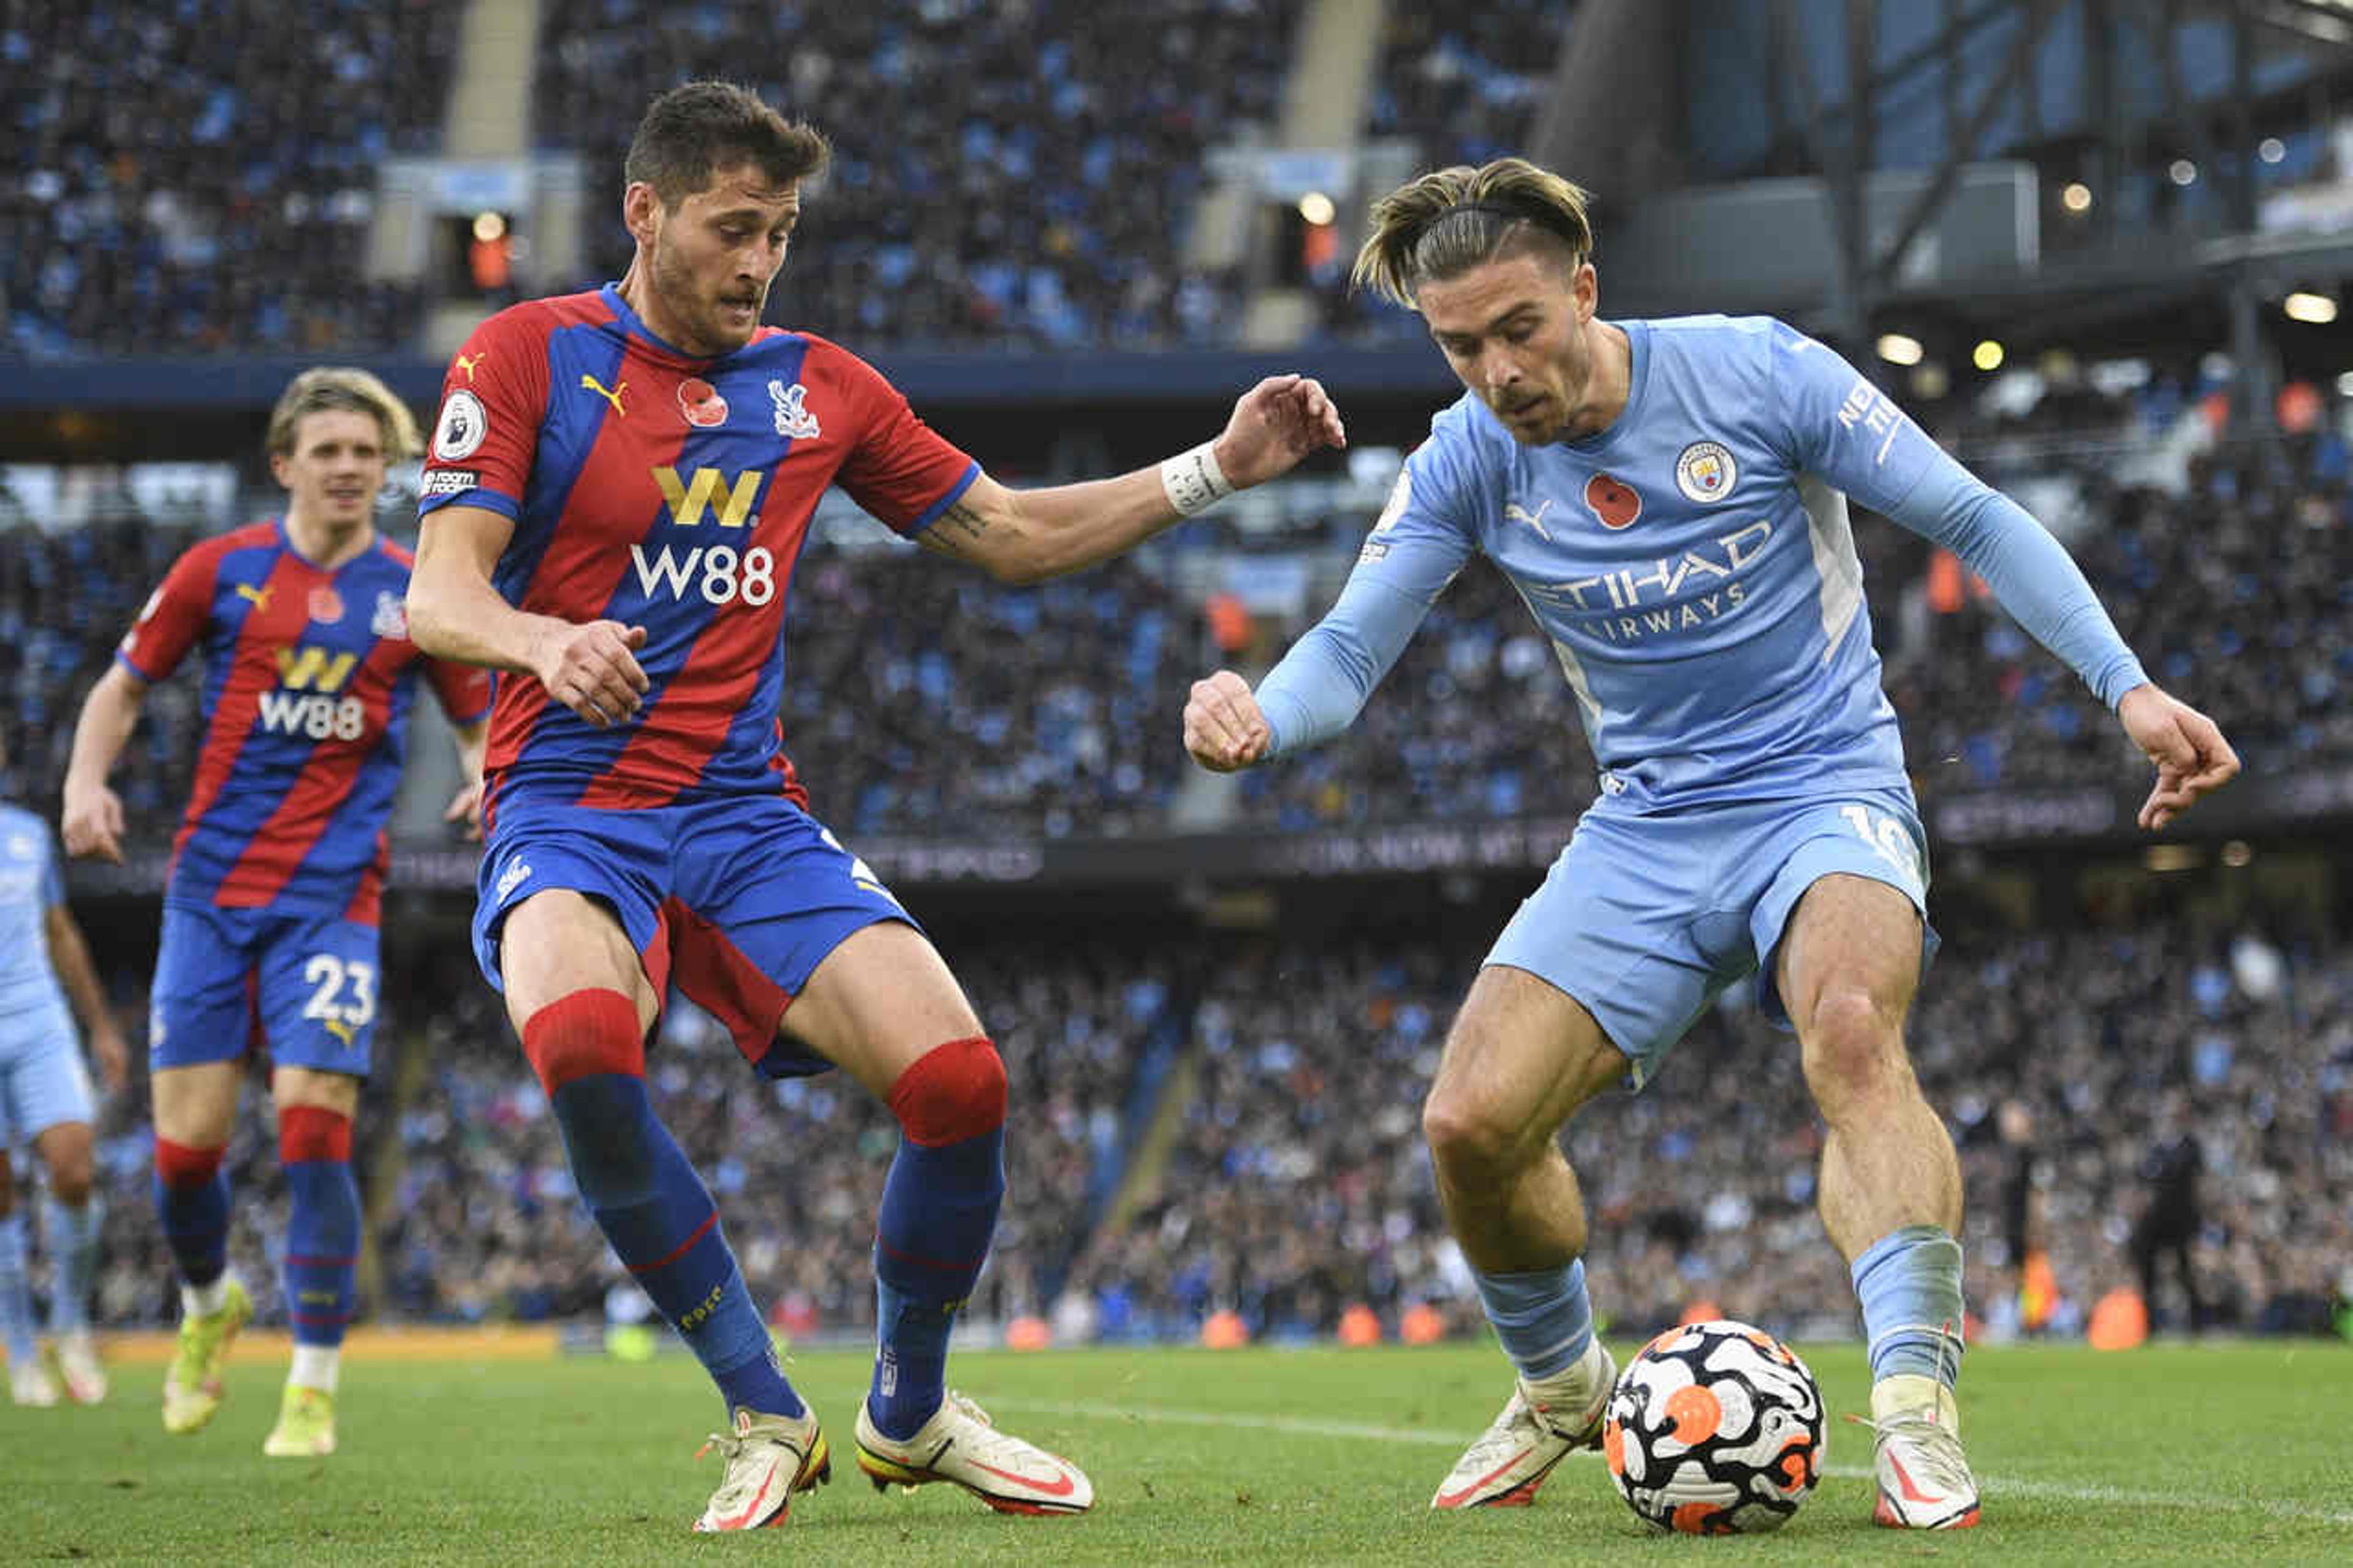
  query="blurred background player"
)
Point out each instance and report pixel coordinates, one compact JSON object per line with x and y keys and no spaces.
{"x":2168,"y":1227}
{"x":46,"y":1102}
{"x":270,"y":910}
{"x":618,"y":486}
{"x":1669,"y":498}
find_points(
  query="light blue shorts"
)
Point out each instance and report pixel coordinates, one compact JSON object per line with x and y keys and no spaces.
{"x":1646,"y":920}
{"x":43,"y":1083}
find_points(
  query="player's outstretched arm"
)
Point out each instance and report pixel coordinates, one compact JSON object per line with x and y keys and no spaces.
{"x":69,"y":956}
{"x":1224,"y":728}
{"x":93,"y":823}
{"x":455,"y":613}
{"x":1027,"y":536}
{"x":2192,"y":758}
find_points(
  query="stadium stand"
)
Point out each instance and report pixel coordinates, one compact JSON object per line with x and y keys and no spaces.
{"x":1296,"y":1182}
{"x":201,"y":176}
{"x":987,"y":188}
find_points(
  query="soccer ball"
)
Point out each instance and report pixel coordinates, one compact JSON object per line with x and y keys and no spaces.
{"x":1715,"y":1429}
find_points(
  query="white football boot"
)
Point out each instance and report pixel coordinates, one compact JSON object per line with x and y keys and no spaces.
{"x":30,"y":1383}
{"x":1924,"y":1478}
{"x":768,"y":1458}
{"x":961,"y":1445}
{"x":1541,"y":1425}
{"x":79,"y":1368}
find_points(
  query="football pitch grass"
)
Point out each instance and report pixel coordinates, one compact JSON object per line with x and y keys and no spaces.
{"x":2223,"y":1453}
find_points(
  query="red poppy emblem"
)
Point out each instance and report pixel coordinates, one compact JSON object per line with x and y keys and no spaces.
{"x":1612,"y":501}
{"x":326,"y":607}
{"x":700,"y":403}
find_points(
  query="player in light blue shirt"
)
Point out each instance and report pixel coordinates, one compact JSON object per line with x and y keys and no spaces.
{"x":1669,"y":499}
{"x":45,"y":1100}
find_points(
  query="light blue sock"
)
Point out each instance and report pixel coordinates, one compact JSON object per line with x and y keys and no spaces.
{"x":1545,"y":1318}
{"x":73,"y":1242}
{"x":16,"y":1293}
{"x":1909,"y":1282}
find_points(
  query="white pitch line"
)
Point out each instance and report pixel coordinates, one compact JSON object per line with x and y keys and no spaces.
{"x":2014,"y":1486}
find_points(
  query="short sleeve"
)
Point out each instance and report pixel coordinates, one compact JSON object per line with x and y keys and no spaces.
{"x":462,"y":689}
{"x":492,"y":402}
{"x":173,"y":618}
{"x":900,"y":470}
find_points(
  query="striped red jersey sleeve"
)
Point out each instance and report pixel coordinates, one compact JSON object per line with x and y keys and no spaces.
{"x":900,"y":470}
{"x":462,"y":689}
{"x":492,"y":402}
{"x":174,"y":615}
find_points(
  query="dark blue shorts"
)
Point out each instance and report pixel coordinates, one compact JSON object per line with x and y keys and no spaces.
{"x":737,"y":902}
{"x":305,"y":983}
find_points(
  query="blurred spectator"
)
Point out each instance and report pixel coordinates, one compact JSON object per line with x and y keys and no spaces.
{"x":201,"y":176}
{"x":1014,"y":174}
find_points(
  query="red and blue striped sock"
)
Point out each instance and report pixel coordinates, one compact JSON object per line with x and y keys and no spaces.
{"x":939,"y":1213}
{"x":192,"y":1202}
{"x":645,"y":1195}
{"x":322,"y":1222}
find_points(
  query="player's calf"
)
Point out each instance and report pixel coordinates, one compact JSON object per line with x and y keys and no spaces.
{"x":939,"y":1211}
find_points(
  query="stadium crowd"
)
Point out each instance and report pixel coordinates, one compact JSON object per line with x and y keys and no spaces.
{"x":1297,"y":1184}
{"x":924,"y":693}
{"x":1005,"y":175}
{"x":201,"y":176}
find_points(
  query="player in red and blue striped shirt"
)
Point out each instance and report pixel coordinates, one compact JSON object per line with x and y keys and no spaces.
{"x":618,"y":486}
{"x":269,"y":910}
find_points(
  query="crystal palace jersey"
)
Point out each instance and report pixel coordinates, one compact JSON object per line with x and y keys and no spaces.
{"x":309,"y":677}
{"x":658,"y":490}
{"x":1693,"y":567}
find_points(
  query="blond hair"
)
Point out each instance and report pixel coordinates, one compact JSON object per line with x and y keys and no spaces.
{"x":1449,"y":221}
{"x":343,"y":389}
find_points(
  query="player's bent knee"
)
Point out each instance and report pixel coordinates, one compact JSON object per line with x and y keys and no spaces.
{"x":1465,"y":1135}
{"x":952,"y":1092}
{"x":310,"y":1132}
{"x":181,"y":1166}
{"x":584,"y":1033}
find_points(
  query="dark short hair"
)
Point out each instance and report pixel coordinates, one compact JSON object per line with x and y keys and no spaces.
{"x":692,"y":131}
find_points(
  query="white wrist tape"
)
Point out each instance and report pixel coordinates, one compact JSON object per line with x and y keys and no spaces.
{"x":1193,"y":480}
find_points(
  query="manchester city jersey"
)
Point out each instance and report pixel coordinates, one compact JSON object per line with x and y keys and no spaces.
{"x":29,"y":888}
{"x":1691,"y":565}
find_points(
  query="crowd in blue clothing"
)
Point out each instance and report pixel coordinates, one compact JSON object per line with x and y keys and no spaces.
{"x":1297,"y":1184}
{"x":196,"y":175}
{"x":1013,"y":176}
{"x":921,"y":698}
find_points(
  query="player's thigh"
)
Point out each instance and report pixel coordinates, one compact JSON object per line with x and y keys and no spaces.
{"x":1851,"y":938}
{"x":200,"y":1011}
{"x":318,"y":980}
{"x":880,"y":999}
{"x":562,"y":941}
{"x":195,"y":1105}
{"x":336,"y":1091}
{"x":1522,"y":1055}
{"x":1844,"y":918}
{"x":1629,"y":925}
{"x":569,"y":900}
{"x":794,"y":943}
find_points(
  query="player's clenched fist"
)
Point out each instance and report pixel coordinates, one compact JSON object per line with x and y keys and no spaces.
{"x":1223,"y":727}
{"x":593,"y":670}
